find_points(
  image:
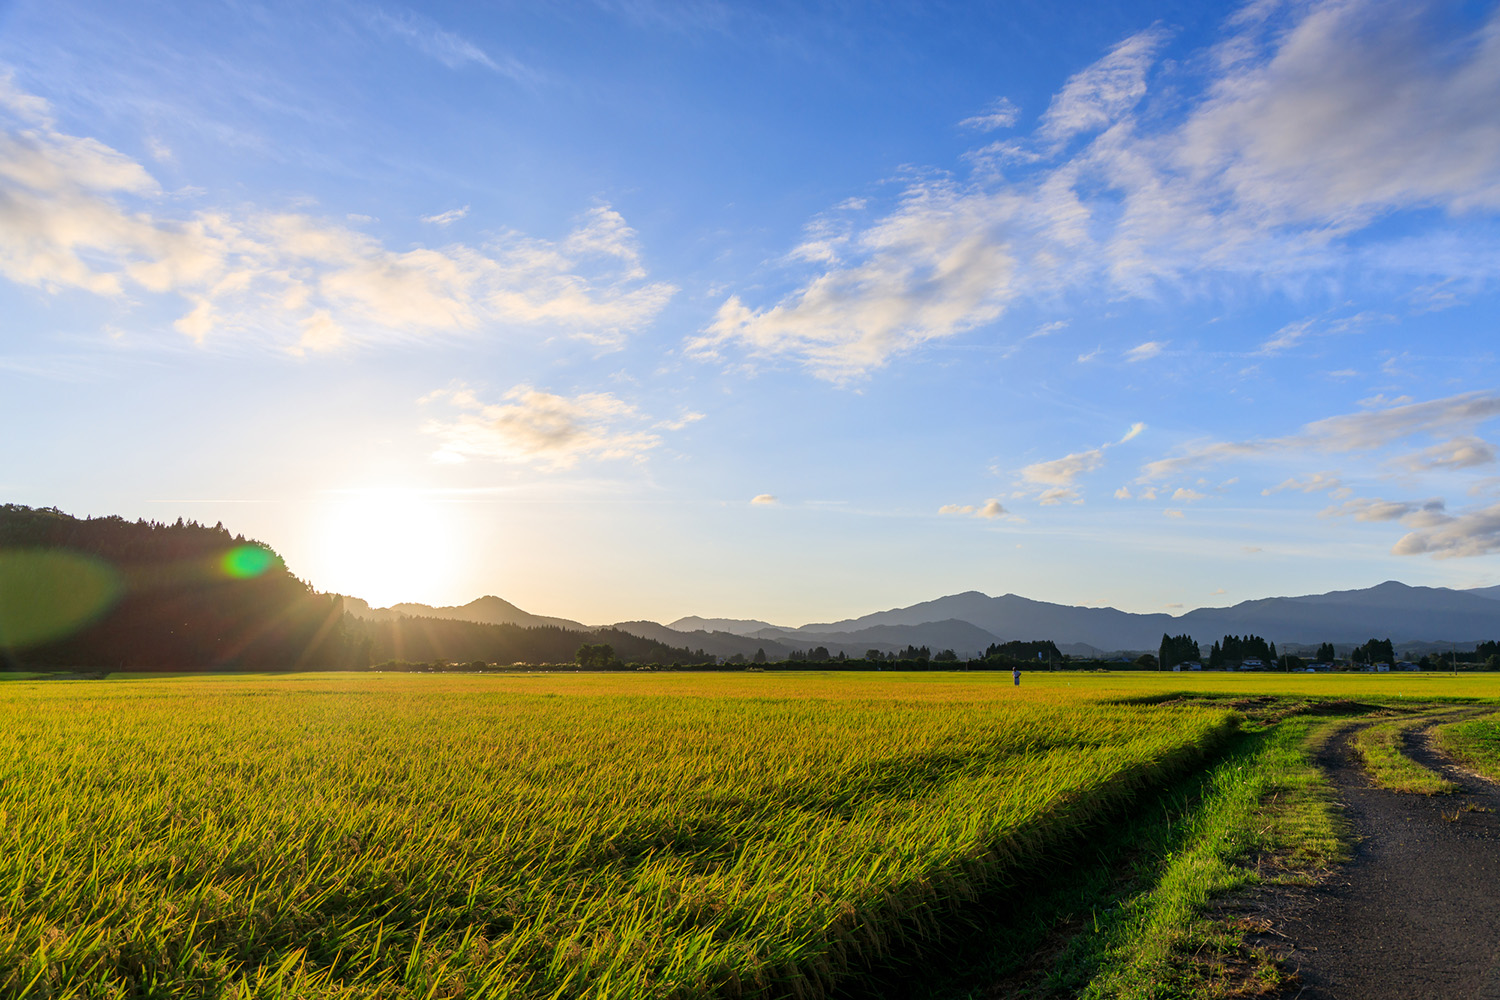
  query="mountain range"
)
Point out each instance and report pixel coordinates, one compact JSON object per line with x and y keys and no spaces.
{"x":969,"y":622}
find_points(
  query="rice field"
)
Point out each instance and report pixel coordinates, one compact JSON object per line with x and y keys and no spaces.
{"x":552,"y":836}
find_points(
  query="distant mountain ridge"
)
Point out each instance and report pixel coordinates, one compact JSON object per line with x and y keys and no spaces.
{"x":971,"y":621}
{"x":487,"y":610}
{"x":968,"y":622}
{"x":734,"y":626}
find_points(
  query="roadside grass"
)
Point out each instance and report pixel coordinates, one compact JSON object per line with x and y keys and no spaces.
{"x":1380,"y":747}
{"x":1476,"y":743}
{"x":1267,"y":816}
{"x":410,"y":837}
{"x":1137,"y":914}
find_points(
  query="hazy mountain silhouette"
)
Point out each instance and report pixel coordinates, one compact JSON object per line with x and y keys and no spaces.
{"x":734,"y":626}
{"x":1392,"y":609}
{"x":963,"y":637}
{"x":719,"y":643}
{"x":970,"y":621}
{"x":488,"y":610}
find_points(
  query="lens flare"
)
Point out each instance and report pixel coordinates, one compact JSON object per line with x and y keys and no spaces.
{"x":48,"y":594}
{"x":245,"y":561}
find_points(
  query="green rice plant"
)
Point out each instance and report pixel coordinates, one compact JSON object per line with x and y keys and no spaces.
{"x":1475,"y":742}
{"x":533,"y":836}
{"x":1379,"y":745}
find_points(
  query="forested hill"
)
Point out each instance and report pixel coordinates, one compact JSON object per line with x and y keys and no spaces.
{"x":106,"y":593}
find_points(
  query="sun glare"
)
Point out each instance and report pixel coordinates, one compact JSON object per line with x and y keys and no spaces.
{"x":386,"y":546}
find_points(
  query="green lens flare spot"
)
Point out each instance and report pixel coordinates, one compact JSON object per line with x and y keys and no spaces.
{"x":245,"y":561}
{"x":48,"y":594}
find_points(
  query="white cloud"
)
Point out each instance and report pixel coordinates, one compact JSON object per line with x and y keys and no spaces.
{"x":999,"y":113}
{"x":1057,"y":476}
{"x":1314,"y":483}
{"x":1055,"y":495}
{"x":991,"y":510}
{"x":1365,"y":431}
{"x":1123,"y":493}
{"x":1315,"y":120}
{"x":1186,"y":495}
{"x":1048,"y":329}
{"x":1144,"y":352}
{"x":935,"y":267}
{"x":540,"y":428}
{"x":1177,"y":514}
{"x":1445,"y":536}
{"x":1288,"y":336}
{"x":1434,"y":530}
{"x":1063,"y":471}
{"x":447,"y":218}
{"x":1100,"y":95}
{"x":1356,"y":108}
{"x":691,"y":417}
{"x":1373,"y":509}
{"x":26,"y":107}
{"x":76,"y":214}
{"x":763,"y":500}
{"x":1459,"y":453}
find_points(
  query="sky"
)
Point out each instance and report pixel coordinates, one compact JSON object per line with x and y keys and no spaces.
{"x":627,"y":309}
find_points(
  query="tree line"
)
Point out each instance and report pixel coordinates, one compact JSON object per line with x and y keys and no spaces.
{"x":185,"y":596}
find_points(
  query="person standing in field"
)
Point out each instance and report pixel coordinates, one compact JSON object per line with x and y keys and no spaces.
{"x":1015,"y":675}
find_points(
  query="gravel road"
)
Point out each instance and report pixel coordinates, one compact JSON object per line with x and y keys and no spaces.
{"x":1415,"y":914}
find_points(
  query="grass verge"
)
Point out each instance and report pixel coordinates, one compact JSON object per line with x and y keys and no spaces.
{"x":1139,"y":915}
{"x":1267,"y":817}
{"x":1379,"y":745}
{"x":1476,"y":743}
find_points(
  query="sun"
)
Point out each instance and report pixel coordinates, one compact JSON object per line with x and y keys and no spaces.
{"x":386,"y":545}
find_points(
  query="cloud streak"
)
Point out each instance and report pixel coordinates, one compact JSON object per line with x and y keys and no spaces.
{"x":76,"y":214}
{"x":534,"y":427}
{"x":1365,"y":431}
{"x":1315,"y":121}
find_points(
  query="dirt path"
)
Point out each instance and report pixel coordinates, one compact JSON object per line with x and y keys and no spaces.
{"x":1415,"y":914}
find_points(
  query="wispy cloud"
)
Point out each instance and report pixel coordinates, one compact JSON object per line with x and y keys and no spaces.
{"x":1145,"y":352}
{"x":1288,"y":336}
{"x":1102,"y":94}
{"x":447,"y":218}
{"x":1364,"y":431}
{"x":1435,"y":530}
{"x":999,"y":113}
{"x":1303,"y":134}
{"x":763,"y":500}
{"x":1057,"y":477}
{"x":1447,"y":536}
{"x":1316,"y":482}
{"x":531,"y":426}
{"x":447,"y":47}
{"x":990,"y":510}
{"x":75,"y":213}
{"x":1465,"y":452}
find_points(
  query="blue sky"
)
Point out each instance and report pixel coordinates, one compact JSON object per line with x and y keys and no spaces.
{"x":637,"y":310}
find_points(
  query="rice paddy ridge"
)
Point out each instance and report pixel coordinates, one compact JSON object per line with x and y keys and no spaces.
{"x":532,"y":836}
